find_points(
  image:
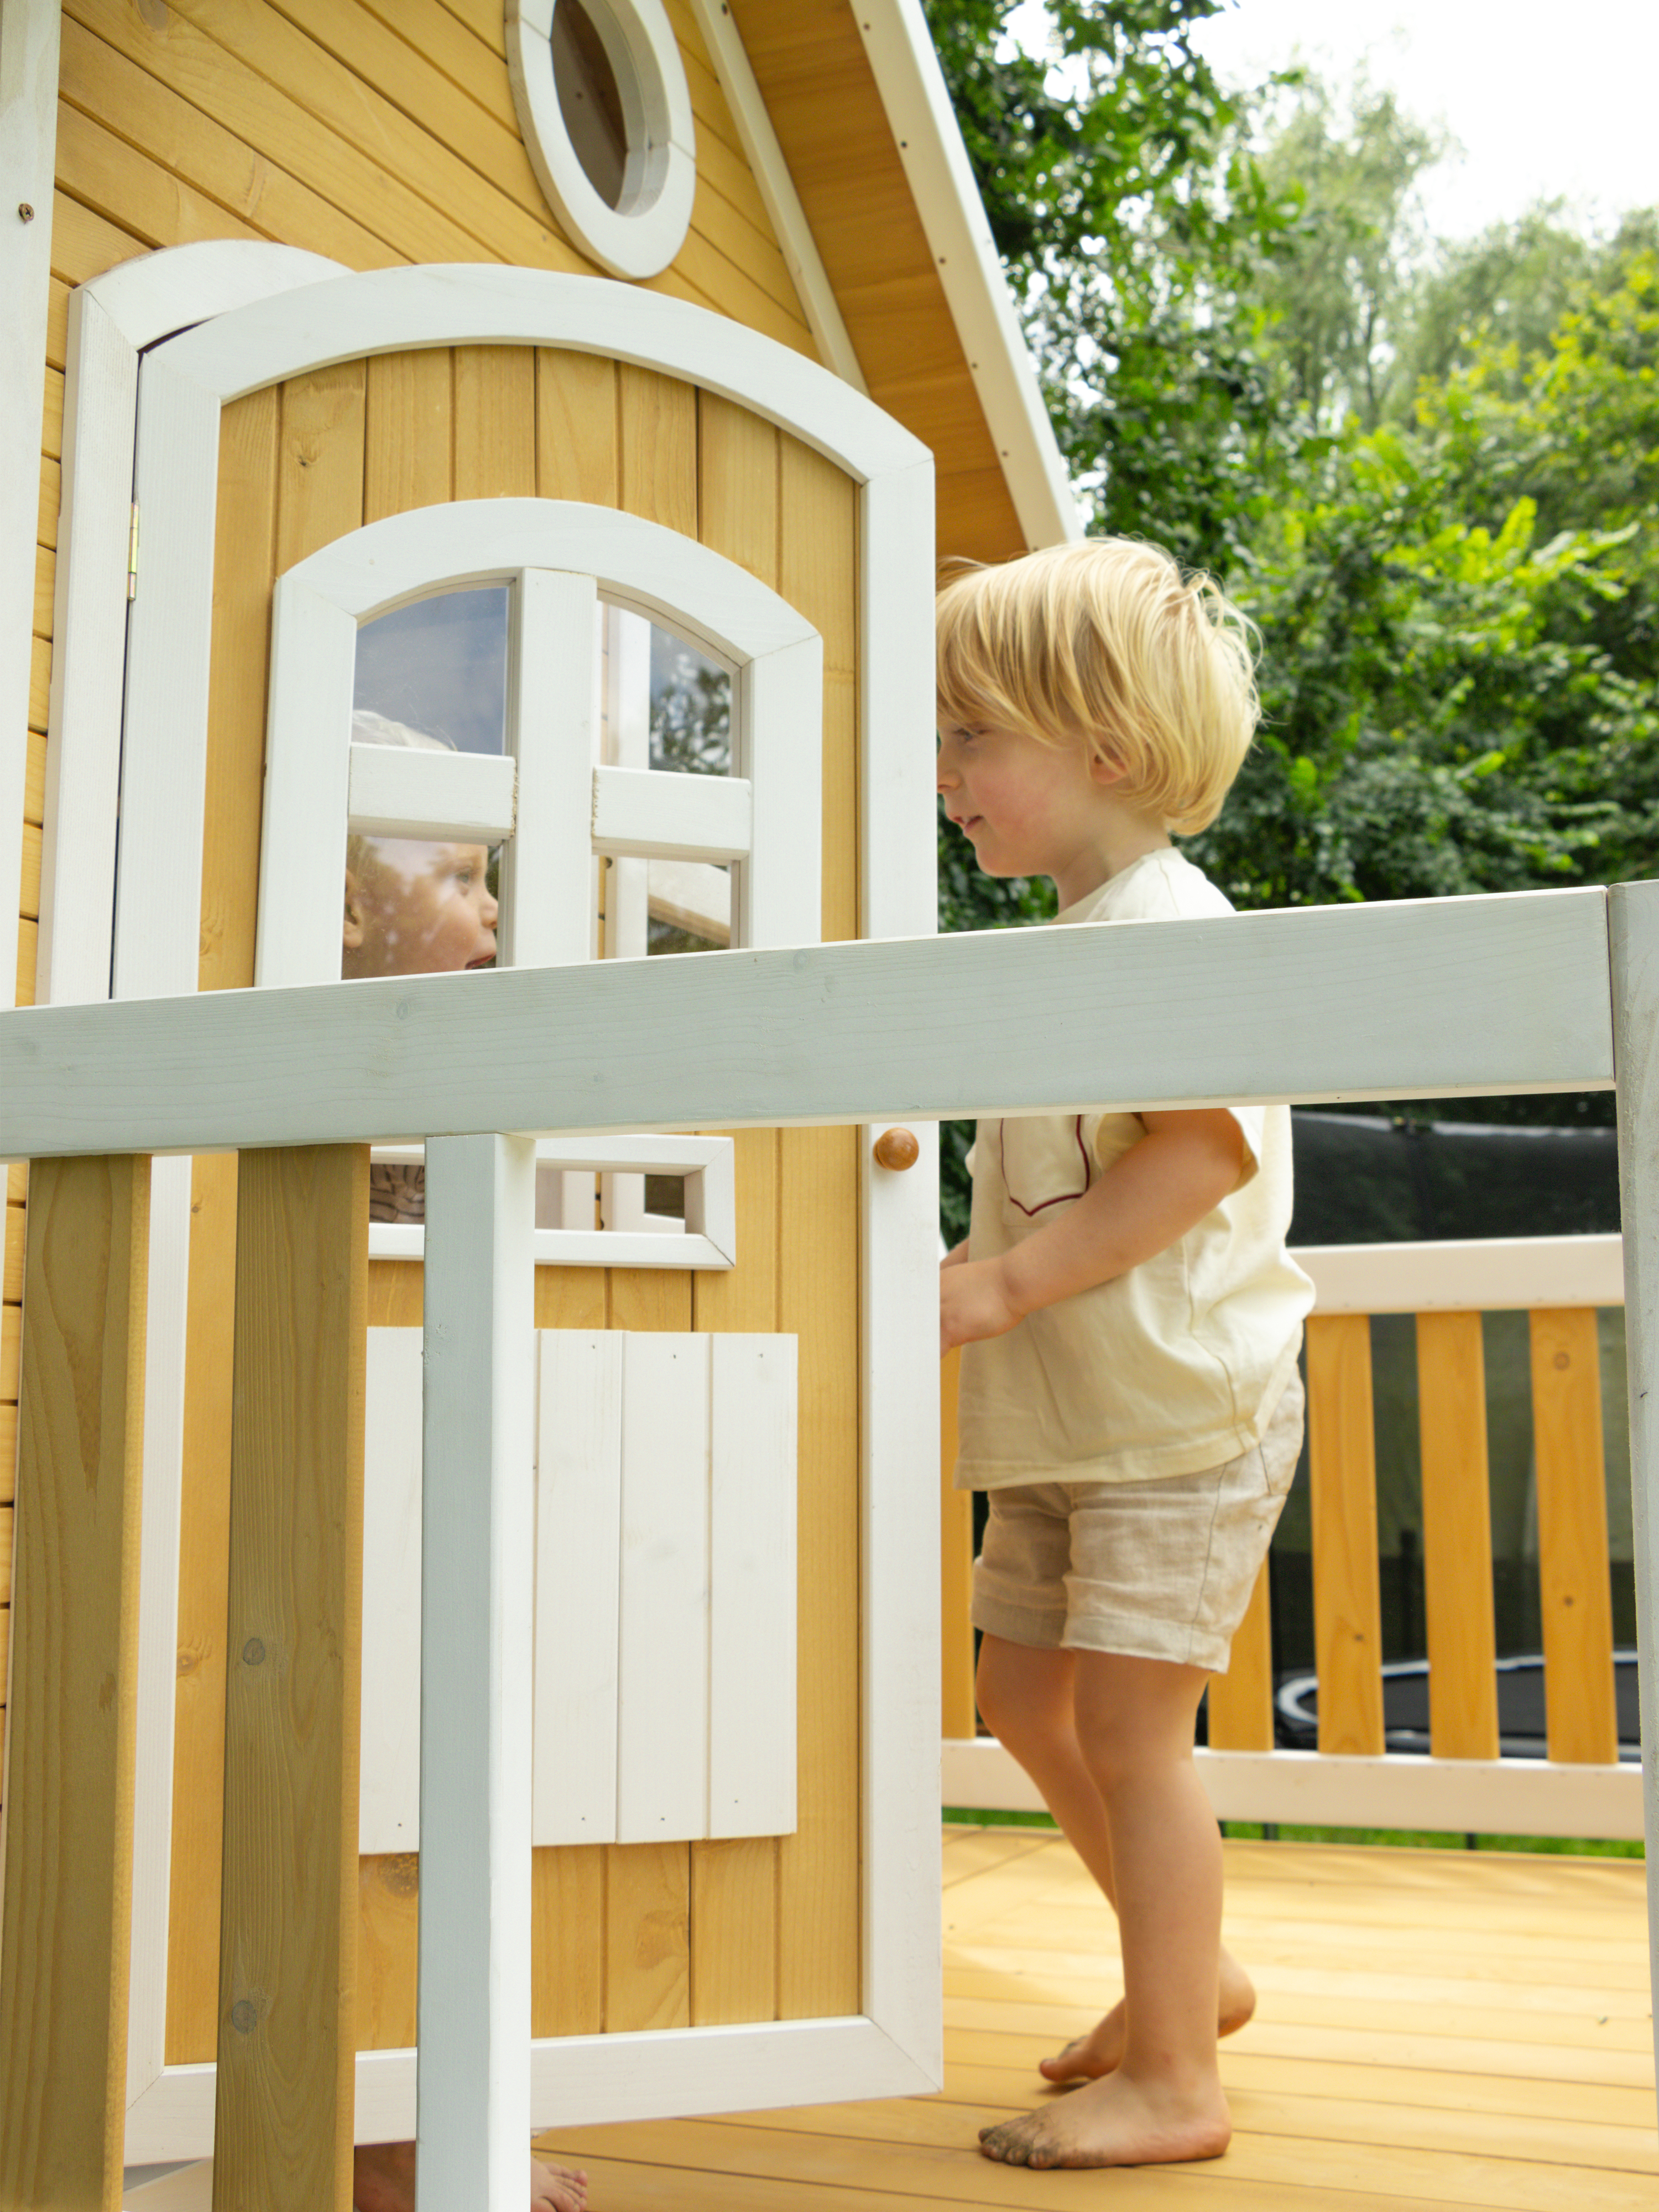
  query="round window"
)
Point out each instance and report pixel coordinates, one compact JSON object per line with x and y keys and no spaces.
{"x":606,"y":116}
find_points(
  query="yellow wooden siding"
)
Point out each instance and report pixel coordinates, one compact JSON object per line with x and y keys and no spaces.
{"x":373,"y":133}
{"x":822,"y":97}
{"x":625,"y":1936}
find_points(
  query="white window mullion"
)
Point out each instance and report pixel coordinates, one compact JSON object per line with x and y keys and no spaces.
{"x":314,"y":659}
{"x":552,"y":715}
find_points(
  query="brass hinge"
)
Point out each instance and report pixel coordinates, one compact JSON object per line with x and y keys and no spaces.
{"x":132,"y":554}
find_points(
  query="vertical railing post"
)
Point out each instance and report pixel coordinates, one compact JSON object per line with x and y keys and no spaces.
{"x":477,"y":1535}
{"x":1634,"y":934}
{"x":287,"y":2057}
{"x":66,"y":1941}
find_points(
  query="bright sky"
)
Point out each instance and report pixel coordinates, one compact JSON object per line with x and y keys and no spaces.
{"x":1547,"y":100}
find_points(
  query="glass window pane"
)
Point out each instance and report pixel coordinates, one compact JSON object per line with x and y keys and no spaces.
{"x":439,"y":666}
{"x":690,"y":709}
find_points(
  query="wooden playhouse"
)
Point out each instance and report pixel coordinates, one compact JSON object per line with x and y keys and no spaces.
{"x":641,"y":330}
{"x":609,"y":373}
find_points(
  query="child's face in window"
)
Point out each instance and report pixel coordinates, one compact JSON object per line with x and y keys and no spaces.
{"x":413,"y":909}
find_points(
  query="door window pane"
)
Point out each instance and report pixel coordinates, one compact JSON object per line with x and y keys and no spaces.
{"x":439,"y":666}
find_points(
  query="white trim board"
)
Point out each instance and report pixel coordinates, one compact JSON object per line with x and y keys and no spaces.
{"x":1431,"y":997}
{"x":28,"y":140}
{"x":1402,"y":1790}
{"x":591,"y":2079}
{"x":111,"y":320}
{"x":468,"y":303}
{"x":1495,"y":1275}
{"x":941,"y":179}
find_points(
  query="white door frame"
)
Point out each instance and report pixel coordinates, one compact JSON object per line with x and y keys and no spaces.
{"x":892,"y":2046}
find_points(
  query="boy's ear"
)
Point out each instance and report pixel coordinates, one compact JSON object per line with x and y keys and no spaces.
{"x":351,"y":935}
{"x":1103,"y":770}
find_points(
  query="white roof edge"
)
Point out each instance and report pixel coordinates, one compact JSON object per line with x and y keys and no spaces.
{"x":941,"y":177}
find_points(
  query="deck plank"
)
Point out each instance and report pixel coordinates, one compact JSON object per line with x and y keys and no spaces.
{"x":1437,"y":2029}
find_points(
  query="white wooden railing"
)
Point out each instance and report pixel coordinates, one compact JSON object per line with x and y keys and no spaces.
{"x":1542,"y":991}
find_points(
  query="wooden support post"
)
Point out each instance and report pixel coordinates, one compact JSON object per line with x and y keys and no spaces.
{"x":1451,"y":1401}
{"x":1634,"y":934}
{"x":477,"y":1538}
{"x":66,"y":1944}
{"x":282,"y":2128}
{"x":1342,"y":1472}
{"x":1575,"y":1593}
{"x":955,"y":1569}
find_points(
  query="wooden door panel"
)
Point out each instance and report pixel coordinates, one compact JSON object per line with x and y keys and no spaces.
{"x":624,"y":1936}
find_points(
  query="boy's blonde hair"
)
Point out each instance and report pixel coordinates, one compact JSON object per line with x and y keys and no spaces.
{"x":1106,"y":644}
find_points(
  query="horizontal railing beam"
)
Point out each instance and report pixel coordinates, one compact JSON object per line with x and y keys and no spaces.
{"x":1423,"y":999}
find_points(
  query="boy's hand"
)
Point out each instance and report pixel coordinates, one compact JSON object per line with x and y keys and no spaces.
{"x":973,"y":1302}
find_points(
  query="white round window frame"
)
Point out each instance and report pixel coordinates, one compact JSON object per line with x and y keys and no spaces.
{"x":640,"y":237}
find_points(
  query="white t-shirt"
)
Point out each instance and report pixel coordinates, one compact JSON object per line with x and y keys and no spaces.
{"x":1176,"y":1365}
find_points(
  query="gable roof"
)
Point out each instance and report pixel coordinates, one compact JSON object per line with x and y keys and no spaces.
{"x":862,"y":118}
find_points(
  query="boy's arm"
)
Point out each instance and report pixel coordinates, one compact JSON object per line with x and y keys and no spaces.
{"x":1145,"y":1201}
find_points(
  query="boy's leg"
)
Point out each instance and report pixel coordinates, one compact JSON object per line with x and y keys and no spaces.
{"x":1134,"y":1730}
{"x":1028,"y":1698}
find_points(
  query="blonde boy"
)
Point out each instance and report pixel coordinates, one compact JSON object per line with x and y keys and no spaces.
{"x":1131,"y":1320}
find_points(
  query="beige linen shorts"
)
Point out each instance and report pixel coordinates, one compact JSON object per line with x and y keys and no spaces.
{"x":1160,"y":1570}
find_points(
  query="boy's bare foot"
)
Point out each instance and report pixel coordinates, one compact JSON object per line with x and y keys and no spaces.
{"x":1115,"y":2122}
{"x":1101,"y":2052}
{"x":383,"y":2181}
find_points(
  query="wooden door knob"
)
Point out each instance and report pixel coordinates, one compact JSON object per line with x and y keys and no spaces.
{"x":897,"y":1148}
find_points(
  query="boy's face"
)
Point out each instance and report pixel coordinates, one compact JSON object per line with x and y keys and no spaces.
{"x":1027,"y":808}
{"x":419,"y":909}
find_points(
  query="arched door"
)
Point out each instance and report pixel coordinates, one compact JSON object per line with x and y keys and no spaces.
{"x":373,"y":405}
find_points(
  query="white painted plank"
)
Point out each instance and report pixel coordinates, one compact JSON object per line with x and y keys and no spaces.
{"x":1634,"y":938}
{"x":1489,"y":1275}
{"x":898,"y":1324}
{"x":1425,"y":999}
{"x":28,"y":137}
{"x":1404,"y":1790}
{"x":553,"y":731}
{"x":389,"y":1798}
{"x":465,"y":798}
{"x":778,"y":702}
{"x":639,"y":565}
{"x":477,"y":1662}
{"x":169,"y":640}
{"x":752,"y":1574}
{"x":596,"y":2078}
{"x":89,"y":661}
{"x":392,"y":310}
{"x":897,"y":865}
{"x":153,"y":294}
{"x":578,"y":1532}
{"x":308,"y":749}
{"x":657,"y":813}
{"x":662,"y":1763}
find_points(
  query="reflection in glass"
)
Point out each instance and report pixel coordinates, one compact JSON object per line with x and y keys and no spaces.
{"x":440,"y":664}
{"x":589,"y":100}
{"x":690,"y":709}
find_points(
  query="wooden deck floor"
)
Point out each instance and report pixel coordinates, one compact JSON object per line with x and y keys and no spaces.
{"x":1437,"y":2030}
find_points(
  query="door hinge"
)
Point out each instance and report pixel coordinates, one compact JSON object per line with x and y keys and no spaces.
{"x":132,"y":554}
